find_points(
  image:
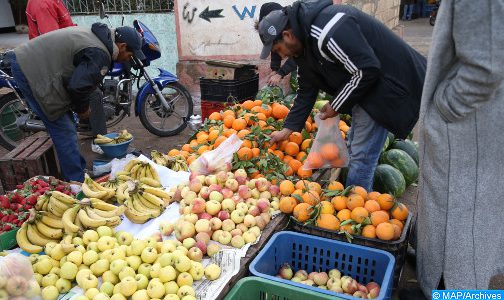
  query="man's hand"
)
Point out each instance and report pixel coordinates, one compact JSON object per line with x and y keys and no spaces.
{"x":281,"y":135}
{"x":84,"y":115}
{"x":327,"y":112}
{"x":274,"y":78}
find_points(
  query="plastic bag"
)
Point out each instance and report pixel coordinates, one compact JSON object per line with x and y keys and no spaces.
{"x":329,"y":149}
{"x":16,"y":277}
{"x":218,"y":159}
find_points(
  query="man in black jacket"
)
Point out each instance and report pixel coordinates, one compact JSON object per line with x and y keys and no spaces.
{"x":373,"y":74}
{"x":58,"y":71}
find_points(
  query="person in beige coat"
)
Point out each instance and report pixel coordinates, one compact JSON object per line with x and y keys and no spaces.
{"x":460,"y":239}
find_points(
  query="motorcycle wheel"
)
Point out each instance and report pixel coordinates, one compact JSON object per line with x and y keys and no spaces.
{"x":154,"y":116}
{"x":432,"y":20}
{"x":11,"y":108}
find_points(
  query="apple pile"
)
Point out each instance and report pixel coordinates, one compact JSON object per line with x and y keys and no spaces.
{"x":332,"y":281}
{"x":128,"y":267}
{"x":225,"y":207}
{"x":16,"y":278}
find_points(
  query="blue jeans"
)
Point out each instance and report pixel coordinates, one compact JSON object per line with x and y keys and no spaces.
{"x":408,"y":11}
{"x":366,"y":139}
{"x":62,"y":130}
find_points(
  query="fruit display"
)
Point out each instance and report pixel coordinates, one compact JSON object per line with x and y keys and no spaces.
{"x":15,"y":205}
{"x":350,"y":211}
{"x":331,"y":280}
{"x":123,"y":136}
{"x":137,"y":169}
{"x":226,"y":207}
{"x":175,"y":163}
{"x":128,"y":267}
{"x":16,"y":278}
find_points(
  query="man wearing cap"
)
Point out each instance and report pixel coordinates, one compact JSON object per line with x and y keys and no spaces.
{"x":374,"y":75}
{"x":58,"y":71}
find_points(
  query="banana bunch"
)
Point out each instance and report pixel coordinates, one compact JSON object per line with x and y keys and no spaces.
{"x":138,"y":169}
{"x":123,"y":136}
{"x":93,"y":189}
{"x":177,"y":163}
{"x":91,"y":213}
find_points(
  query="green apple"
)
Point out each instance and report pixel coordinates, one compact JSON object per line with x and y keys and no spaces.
{"x":69,"y":271}
{"x":197,"y":270}
{"x":101,"y":296}
{"x":63,"y":285}
{"x":145,"y":269}
{"x":167,"y":247}
{"x":167,"y":273}
{"x":212,"y":271}
{"x":155,"y":289}
{"x":184,"y":278}
{"x":117,"y":297}
{"x":109,"y":276}
{"x":81,"y":274}
{"x":89,"y":281}
{"x":55,"y":270}
{"x":49,"y":279}
{"x":105,"y":243}
{"x":90,"y":236}
{"x":77,"y":241}
{"x":142,"y":281}
{"x":89,"y":257}
{"x":185,"y":290}
{"x":124,"y":238}
{"x":171,"y":287}
{"x":62,"y":261}
{"x":182,"y":263}
{"x":81,"y":249}
{"x":3,"y":294}
{"x":149,"y":255}
{"x":99,"y":267}
{"x":140,"y":295}
{"x":38,"y":278}
{"x":49,"y":247}
{"x":43,"y":267}
{"x":92,"y":246}
{"x":125,"y":272}
{"x":107,"y":254}
{"x":171,"y":297}
{"x":181,"y":249}
{"x":128,"y":286}
{"x":137,"y":246}
{"x":165,"y":259}
{"x":134,"y":261}
{"x":189,"y":243}
{"x":33,"y":289}
{"x":57,"y":252}
{"x":34,"y":257}
{"x":117,"y":265}
{"x":81,"y":297}
{"x":50,"y":293}
{"x":212,"y":249}
{"x":188,"y":297}
{"x":154,"y":272}
{"x":117,"y":253}
{"x":151,"y":242}
{"x":83,"y":267}
{"x":105,"y":231}
{"x":54,"y":262}
{"x":91,"y":293}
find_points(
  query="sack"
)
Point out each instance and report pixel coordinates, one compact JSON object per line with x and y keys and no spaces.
{"x":218,"y":159}
{"x":16,"y":274}
{"x":329,"y":149}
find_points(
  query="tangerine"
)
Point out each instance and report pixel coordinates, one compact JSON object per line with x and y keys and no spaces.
{"x":304,"y":173}
{"x":215,"y":116}
{"x":385,"y":231}
{"x":291,"y":149}
{"x":280,"y":111}
{"x":372,"y":205}
{"x":400,"y":212}
{"x":329,"y":151}
{"x":378,"y":217}
{"x":354,"y":200}
{"x":287,"y":187}
{"x":328,"y":221}
{"x":344,"y":214}
{"x":326,"y":207}
{"x":359,"y":214}
{"x":369,"y":231}
{"x":373,"y":195}
{"x":339,"y":202}
{"x":239,"y":124}
{"x":386,"y":201}
{"x":335,"y":186}
{"x":296,"y":137}
{"x":315,"y":160}
{"x":287,"y":205}
{"x":302,"y":212}
{"x":245,"y":153}
{"x":311,"y":198}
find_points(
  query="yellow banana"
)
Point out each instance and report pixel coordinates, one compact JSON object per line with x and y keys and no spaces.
{"x":150,"y":182}
{"x":134,"y":170}
{"x":48,"y":231}
{"x":146,"y":203}
{"x":24,"y":243}
{"x":41,"y":200}
{"x":67,"y":239}
{"x":152,"y":199}
{"x":119,"y":173}
{"x":37,"y":238}
{"x":124,"y":177}
{"x":50,"y":221}
{"x":54,"y":210}
{"x":45,"y":205}
{"x":112,"y":213}
{"x":156,"y":192}
{"x":130,"y":165}
{"x":137,"y":217}
{"x":86,"y":189}
{"x":69,"y":218}
{"x":102,"y":205}
{"x":155,"y":174}
{"x":88,"y":222}
{"x":56,"y":203}
{"x":64,"y":198}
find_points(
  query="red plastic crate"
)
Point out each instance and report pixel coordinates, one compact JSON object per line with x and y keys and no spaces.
{"x":208,"y":107}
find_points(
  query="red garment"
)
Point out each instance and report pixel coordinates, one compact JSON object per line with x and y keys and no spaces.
{"x":46,"y":15}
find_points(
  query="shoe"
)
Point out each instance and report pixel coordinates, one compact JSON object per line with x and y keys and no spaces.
{"x":411,"y":294}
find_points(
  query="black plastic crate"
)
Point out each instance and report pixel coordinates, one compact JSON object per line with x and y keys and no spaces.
{"x":397,"y":248}
{"x":229,"y":90}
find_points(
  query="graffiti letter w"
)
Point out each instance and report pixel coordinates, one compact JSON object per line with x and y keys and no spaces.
{"x":244,"y":12}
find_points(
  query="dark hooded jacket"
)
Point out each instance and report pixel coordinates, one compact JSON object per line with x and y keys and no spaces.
{"x":353,"y":56}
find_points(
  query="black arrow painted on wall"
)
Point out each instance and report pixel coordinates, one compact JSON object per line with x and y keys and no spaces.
{"x":207,"y":14}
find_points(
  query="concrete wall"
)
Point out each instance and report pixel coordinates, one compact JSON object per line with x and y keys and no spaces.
{"x":386,"y":11}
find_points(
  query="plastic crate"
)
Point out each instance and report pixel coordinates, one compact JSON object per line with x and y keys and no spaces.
{"x":396,"y":248}
{"x":256,"y":288}
{"x":229,"y":90}
{"x":8,"y":239}
{"x":208,"y":107}
{"x":313,"y":253}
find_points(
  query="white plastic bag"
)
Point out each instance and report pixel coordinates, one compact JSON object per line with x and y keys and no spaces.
{"x":218,"y":159}
{"x":16,"y":277}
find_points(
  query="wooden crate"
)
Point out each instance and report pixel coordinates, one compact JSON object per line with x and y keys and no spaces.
{"x":34,"y":156}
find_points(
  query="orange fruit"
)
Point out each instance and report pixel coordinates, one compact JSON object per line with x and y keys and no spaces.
{"x":287,"y":158}
{"x":296,"y":137}
{"x":287,"y":187}
{"x":369,"y":231}
{"x":191,"y":158}
{"x":228,"y":113}
{"x":302,"y":185}
{"x":279,"y":154}
{"x":248,"y":104}
{"x":297,"y":192}
{"x":283,"y":144}
{"x":287,"y":205}
{"x":400,"y":212}
{"x":385,"y":231}
{"x":397,"y":231}
{"x":301,"y":156}
{"x":360,"y":190}
{"x":306,"y":144}
{"x":308,"y":126}
{"x":302,"y":212}
{"x":304,"y":173}
{"x":203,"y":149}
{"x":386,"y":201}
{"x":239,"y":124}
{"x":219,"y":141}
{"x":311,"y":198}
{"x":202,"y":138}
{"x":354,"y":200}
{"x":359,"y":214}
{"x":261,"y":116}
{"x":257,"y":102}
{"x":173,"y":152}
{"x":315,"y":160}
{"x":213,"y":135}
{"x":397,"y":222}
{"x":326,"y":207}
{"x":245,"y":153}
{"x":339,"y":202}
{"x":279,"y":111}
{"x":246,"y":143}
{"x":193,"y":143}
{"x":256,"y":152}
{"x":229,"y":132}
{"x":266,"y":110}
{"x":373,"y":195}
{"x":295,"y":164}
{"x":372,"y":205}
{"x":314,"y":186}
{"x":228,"y":121}
{"x":215,"y":116}
{"x":289,"y":172}
{"x":329,"y":151}
{"x":187,"y":148}
{"x":348,"y":228}
{"x":328,"y":221}
{"x":335,"y":186}
{"x":291,"y":149}
{"x":344,"y":214}
{"x":378,"y":217}
{"x":242,"y":133}
{"x":184,"y":153}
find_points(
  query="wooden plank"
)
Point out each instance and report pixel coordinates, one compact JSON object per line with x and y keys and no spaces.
{"x":36,"y":163}
{"x":26,"y":143}
{"x":277,"y":224}
{"x":19,"y":164}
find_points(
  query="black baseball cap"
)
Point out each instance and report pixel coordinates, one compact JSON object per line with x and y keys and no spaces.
{"x":132,"y":38}
{"x":270,"y":28}
{"x":268,"y":7}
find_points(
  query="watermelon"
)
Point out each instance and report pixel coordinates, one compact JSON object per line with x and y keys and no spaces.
{"x":388,"y":179}
{"x":270,"y":93}
{"x":386,"y":145}
{"x":319,"y":104}
{"x":407,"y":146}
{"x":400,"y":160}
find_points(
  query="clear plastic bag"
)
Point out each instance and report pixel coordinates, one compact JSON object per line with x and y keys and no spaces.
{"x":16,"y":277}
{"x":218,"y":159}
{"x":329,"y":149}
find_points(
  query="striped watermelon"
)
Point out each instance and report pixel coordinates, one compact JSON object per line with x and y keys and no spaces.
{"x":388,"y":179}
{"x":407,"y":146}
{"x":400,"y":160}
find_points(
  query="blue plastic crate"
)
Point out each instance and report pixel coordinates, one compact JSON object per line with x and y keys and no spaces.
{"x":315,"y":254}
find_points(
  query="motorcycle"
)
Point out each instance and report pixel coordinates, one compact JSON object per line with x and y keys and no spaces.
{"x":433,"y":14}
{"x":160,"y":100}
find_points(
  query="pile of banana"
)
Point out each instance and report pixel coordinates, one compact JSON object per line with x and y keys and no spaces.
{"x":137,"y":169}
{"x":57,"y":214}
{"x":176,"y":163}
{"x":144,"y":199}
{"x":123,"y":136}
{"x":93,"y":189}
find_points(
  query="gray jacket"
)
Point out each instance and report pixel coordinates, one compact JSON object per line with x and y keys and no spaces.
{"x":460,"y":203}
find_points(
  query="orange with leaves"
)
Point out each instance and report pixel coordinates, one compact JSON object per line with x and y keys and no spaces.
{"x":359,"y":214}
{"x":287,"y":204}
{"x":215,"y":116}
{"x":344,"y":214}
{"x":386,"y":201}
{"x":304,"y":173}
{"x":245,"y":153}
{"x":296,"y":137}
{"x":248,"y":104}
{"x":287,"y":187}
{"x":399,"y":212}
{"x":339,"y":202}
{"x":354,"y":200}
{"x":385,"y":231}
{"x":279,"y":111}
{"x":228,"y":121}
{"x":311,"y":197}
{"x":326,"y":207}
{"x":327,"y":221}
{"x":335,"y":186}
{"x":302,"y":212}
{"x":306,"y":144}
{"x":378,"y":217}
{"x":292,"y":149}
{"x":239,"y":124}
